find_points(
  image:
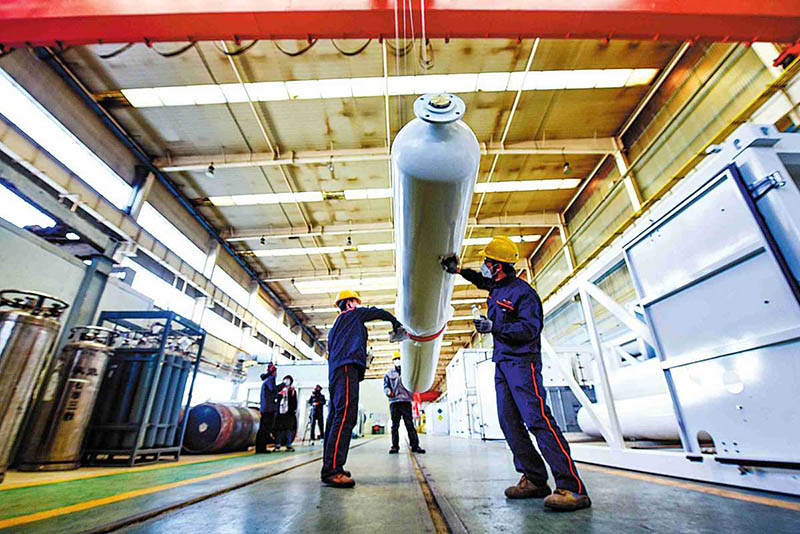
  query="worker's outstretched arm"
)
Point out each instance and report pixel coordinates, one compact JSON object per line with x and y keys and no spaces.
{"x":450,"y":265}
{"x":526,"y":326}
{"x":372,"y":313}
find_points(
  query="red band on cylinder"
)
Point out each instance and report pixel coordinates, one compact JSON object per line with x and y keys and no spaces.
{"x":431,"y":337}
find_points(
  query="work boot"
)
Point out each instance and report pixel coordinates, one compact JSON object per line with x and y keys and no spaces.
{"x":339,"y":480}
{"x":567,"y":501}
{"x":289,"y":448}
{"x":394,"y":450}
{"x":525,"y":489}
{"x":418,"y":450}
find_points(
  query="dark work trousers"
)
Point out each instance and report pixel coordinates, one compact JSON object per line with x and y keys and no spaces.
{"x":521,"y":404}
{"x":264,"y":431}
{"x":402,"y":410}
{"x":342,"y":417}
{"x":316,"y":420}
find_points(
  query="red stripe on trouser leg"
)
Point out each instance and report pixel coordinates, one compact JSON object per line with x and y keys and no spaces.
{"x":541,"y":406}
{"x":344,"y":417}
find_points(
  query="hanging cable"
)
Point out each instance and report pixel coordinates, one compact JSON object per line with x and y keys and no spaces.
{"x":425,"y":50}
{"x":239,"y":51}
{"x":397,"y":51}
{"x":298,"y":52}
{"x":173,"y":53}
{"x":354,"y":52}
{"x":116,"y":52}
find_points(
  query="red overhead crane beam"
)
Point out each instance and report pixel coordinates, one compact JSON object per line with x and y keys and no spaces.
{"x":74,"y":22}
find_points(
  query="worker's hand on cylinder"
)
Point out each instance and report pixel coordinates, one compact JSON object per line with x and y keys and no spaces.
{"x":483,"y":325}
{"x":450,"y":264}
{"x":398,"y":334}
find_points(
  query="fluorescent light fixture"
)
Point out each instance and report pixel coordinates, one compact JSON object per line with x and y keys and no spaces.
{"x":469,"y":82}
{"x":456,"y":332}
{"x":298,"y":251}
{"x":493,"y":81}
{"x":379,"y":283}
{"x":379,"y":193}
{"x":302,"y":196}
{"x":267,"y":91}
{"x":72,"y":236}
{"x":336,"y":88}
{"x":472,"y":241}
{"x":22,"y":110}
{"x":20,"y":213}
{"x":333,"y":309}
{"x":375,"y":247}
{"x":368,"y":86}
{"x":304,"y":89}
{"x":364,"y":194}
{"x":527,"y":185}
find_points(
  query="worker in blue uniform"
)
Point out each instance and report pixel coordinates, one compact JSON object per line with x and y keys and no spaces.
{"x":347,"y":361}
{"x":268,"y":408}
{"x":515,"y":321}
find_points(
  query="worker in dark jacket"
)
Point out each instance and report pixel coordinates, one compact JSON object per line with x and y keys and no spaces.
{"x":400,"y":408}
{"x":515,"y":321}
{"x":317,"y":403}
{"x":347,"y":361}
{"x":269,"y":407}
{"x":286,"y":416}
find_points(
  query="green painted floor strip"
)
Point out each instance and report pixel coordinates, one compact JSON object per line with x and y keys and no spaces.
{"x":28,"y":500}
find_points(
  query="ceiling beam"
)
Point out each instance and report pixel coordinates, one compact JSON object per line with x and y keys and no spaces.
{"x":200,"y":162}
{"x":77,"y":22}
{"x":542,"y":219}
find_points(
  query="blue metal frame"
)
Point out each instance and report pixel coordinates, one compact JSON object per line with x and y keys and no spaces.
{"x":137,"y":450}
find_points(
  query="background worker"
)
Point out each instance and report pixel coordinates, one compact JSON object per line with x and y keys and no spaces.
{"x":400,"y":408}
{"x":268,"y":408}
{"x":286,"y":418}
{"x":515,"y":322}
{"x":347,"y":360}
{"x":317,"y":401}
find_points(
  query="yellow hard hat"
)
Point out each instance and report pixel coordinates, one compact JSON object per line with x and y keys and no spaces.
{"x":396,"y":354}
{"x":501,"y":248}
{"x":347,"y":294}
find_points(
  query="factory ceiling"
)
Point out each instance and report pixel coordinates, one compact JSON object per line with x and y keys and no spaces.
{"x":301,"y":182}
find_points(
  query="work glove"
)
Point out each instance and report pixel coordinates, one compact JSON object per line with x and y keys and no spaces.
{"x":483,"y":325}
{"x":450,"y":264}
{"x":398,"y":334}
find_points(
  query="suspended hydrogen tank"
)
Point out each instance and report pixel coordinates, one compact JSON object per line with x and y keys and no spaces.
{"x":435,"y":160}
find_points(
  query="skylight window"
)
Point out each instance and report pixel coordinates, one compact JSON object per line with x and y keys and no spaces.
{"x":226,"y":283}
{"x":20,"y":213}
{"x":163,"y":230}
{"x":22,"y":110}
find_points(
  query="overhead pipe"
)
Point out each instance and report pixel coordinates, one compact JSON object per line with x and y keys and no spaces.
{"x":47,"y":55}
{"x":435,"y":160}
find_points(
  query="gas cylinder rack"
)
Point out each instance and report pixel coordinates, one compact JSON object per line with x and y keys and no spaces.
{"x":137,"y":417}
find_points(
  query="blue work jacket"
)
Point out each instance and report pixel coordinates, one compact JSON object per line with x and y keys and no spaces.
{"x":347,"y":340}
{"x":515,"y":310}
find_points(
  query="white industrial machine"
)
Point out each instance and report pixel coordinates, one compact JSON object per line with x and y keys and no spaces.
{"x":437,"y":419}
{"x":435,"y":160}
{"x":716,"y":269}
{"x":462,"y":395}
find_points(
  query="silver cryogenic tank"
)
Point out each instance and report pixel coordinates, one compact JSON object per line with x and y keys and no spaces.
{"x":54,"y":437}
{"x":28,"y":330}
{"x":435,"y":160}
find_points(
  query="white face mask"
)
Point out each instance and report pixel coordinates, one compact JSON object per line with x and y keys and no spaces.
{"x":485,"y":271}
{"x":397,"y":366}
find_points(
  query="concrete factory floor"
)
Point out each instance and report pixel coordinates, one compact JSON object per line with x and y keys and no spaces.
{"x":466,"y":478}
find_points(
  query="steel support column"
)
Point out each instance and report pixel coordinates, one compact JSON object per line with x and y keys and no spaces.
{"x":605,"y":386}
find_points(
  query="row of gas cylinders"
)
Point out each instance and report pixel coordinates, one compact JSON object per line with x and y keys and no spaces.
{"x":53,"y":400}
